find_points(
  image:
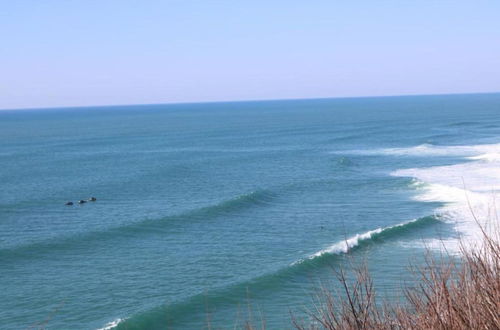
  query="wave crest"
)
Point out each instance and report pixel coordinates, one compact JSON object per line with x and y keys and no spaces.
{"x":155,"y":317}
{"x":354,"y":241}
{"x":111,"y":325}
{"x":427,"y":149}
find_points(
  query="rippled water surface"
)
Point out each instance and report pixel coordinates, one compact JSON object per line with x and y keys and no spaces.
{"x":206,"y":210}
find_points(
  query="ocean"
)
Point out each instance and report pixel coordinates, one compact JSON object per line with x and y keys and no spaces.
{"x":209,"y":214}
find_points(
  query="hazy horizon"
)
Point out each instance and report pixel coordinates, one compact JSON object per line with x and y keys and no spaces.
{"x":247,"y":100}
{"x":90,"y":53}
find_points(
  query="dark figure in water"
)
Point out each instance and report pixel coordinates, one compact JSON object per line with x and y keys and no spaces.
{"x":81,"y":201}
{"x":69,"y":203}
{"x":92,"y":199}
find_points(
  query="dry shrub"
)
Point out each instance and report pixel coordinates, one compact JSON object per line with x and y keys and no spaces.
{"x":448,"y":295}
{"x":353,"y":306}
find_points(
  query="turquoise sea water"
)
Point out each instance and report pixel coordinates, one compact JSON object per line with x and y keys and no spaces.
{"x":206,"y":210}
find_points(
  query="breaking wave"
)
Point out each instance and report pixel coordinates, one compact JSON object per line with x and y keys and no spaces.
{"x":467,"y":190}
{"x":426,"y":149}
{"x":354,"y":241}
{"x":111,"y":325}
{"x":157,"y":317}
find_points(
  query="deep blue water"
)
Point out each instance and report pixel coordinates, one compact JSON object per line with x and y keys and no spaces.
{"x":205,"y":210}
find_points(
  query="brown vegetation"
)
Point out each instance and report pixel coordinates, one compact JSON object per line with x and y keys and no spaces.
{"x":449,"y":294}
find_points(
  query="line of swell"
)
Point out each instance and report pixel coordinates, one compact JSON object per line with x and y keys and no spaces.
{"x":144,"y":227}
{"x":157,"y":317}
{"x":355,"y":241}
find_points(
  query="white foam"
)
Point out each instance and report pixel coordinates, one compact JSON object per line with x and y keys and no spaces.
{"x":490,"y":157}
{"x":347,"y":244}
{"x":451,"y":246}
{"x":468,"y":189}
{"x":111,"y":325}
{"x":425,"y":150}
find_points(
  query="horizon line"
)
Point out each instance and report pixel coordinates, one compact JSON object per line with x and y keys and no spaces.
{"x":241,"y":101}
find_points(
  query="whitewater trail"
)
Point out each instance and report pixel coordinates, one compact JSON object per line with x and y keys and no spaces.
{"x":349,"y":243}
{"x":111,"y":325}
{"x":429,"y":150}
{"x":468,"y":189}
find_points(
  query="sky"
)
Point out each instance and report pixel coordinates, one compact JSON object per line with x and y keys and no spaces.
{"x":107,"y":52}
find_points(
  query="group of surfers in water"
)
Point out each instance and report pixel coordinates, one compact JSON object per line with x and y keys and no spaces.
{"x":82,"y":201}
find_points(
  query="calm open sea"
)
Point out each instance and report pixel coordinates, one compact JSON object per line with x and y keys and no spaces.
{"x":204,"y":211}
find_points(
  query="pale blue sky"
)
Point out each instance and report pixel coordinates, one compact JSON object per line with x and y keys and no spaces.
{"x":71,"y":53}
